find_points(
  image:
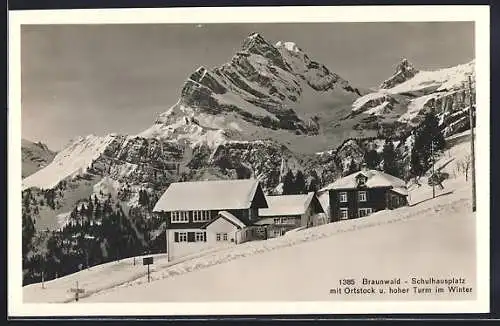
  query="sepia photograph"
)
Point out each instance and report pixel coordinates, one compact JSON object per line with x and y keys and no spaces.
{"x":202,"y":162}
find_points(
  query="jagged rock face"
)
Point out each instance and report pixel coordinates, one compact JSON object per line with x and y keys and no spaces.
{"x":34,"y":157}
{"x":404,"y":71}
{"x":261,"y":159}
{"x":256,"y":44}
{"x":378,"y":105}
{"x":350,"y":150}
{"x":262,"y":86}
{"x":317,"y":75}
{"x":221,"y":126}
{"x":409,"y":94}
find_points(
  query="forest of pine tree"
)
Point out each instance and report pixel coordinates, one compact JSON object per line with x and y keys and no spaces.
{"x":294,"y":184}
{"x":429,"y":141}
{"x":98,"y":231}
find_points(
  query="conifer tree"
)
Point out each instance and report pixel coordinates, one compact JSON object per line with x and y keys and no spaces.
{"x":300,"y":183}
{"x":288,"y":183}
{"x":314,"y":183}
{"x":389,"y":158}
{"x":372,"y":159}
{"x":428,"y":141}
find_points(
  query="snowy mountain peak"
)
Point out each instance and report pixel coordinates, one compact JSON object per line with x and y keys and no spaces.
{"x":405,"y":65}
{"x":255,"y":42}
{"x":290,"y":46}
{"x":404,"y":71}
{"x":73,"y":160}
{"x":260,"y":90}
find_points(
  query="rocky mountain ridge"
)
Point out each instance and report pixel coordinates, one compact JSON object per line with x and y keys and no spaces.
{"x":34,"y":156}
{"x":270,"y":109}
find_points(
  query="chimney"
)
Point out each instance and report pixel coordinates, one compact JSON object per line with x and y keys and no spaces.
{"x":364,"y":167}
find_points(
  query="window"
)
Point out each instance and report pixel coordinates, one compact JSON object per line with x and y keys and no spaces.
{"x":200,"y":237}
{"x":343,"y":197}
{"x":180,"y":217}
{"x":362,"y":196}
{"x":395,"y":201}
{"x":181,"y":237}
{"x":201,"y":216}
{"x":344,"y":213}
{"x":361,"y":180}
{"x":221,"y":236}
{"x":364,"y":212}
{"x":277,"y":220}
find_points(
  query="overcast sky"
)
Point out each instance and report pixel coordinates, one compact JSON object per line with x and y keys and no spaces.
{"x":99,"y":79}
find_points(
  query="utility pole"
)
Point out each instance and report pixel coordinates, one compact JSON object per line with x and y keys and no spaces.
{"x":473,"y":166}
{"x":433,"y":173}
{"x":166,"y":244}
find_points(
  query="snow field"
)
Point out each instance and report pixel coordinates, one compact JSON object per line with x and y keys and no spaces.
{"x":433,"y":238}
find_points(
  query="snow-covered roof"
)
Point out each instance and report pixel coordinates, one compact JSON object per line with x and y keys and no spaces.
{"x":287,"y":205}
{"x":375,"y":179}
{"x":210,"y":195}
{"x":265,"y":221}
{"x":228,"y":217}
{"x":400,"y":190}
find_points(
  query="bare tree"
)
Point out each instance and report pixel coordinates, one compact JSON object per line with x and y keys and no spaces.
{"x":464,"y":165}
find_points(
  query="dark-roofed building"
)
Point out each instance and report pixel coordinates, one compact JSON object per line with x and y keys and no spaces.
{"x":363,"y":193}
{"x":289,"y":212}
{"x":206,"y":214}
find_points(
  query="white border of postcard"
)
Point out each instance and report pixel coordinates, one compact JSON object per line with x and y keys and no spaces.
{"x":478,"y":14}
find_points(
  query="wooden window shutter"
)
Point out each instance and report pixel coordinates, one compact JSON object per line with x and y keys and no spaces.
{"x":191,"y":237}
{"x":176,"y":236}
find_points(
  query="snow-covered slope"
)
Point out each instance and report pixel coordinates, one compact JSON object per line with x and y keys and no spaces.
{"x":71,"y":161}
{"x":35,"y":156}
{"x":440,"y":229}
{"x":403,"y":240}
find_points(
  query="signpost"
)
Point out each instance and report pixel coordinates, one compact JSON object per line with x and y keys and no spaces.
{"x":147,"y":261}
{"x":77,"y":291}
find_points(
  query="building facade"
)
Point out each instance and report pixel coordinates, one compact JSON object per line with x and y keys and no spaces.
{"x":208,"y":214}
{"x":363,"y":193}
{"x":288,"y":212}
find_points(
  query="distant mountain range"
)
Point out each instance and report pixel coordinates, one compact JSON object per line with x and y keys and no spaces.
{"x":35,"y":156}
{"x":271,"y":108}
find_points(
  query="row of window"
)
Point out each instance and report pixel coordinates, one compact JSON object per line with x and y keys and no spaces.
{"x":362,"y":212}
{"x":343,"y":196}
{"x":199,"y":236}
{"x":183,"y":216}
{"x":284,"y":220}
{"x":221,"y":236}
{"x":190,"y":236}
